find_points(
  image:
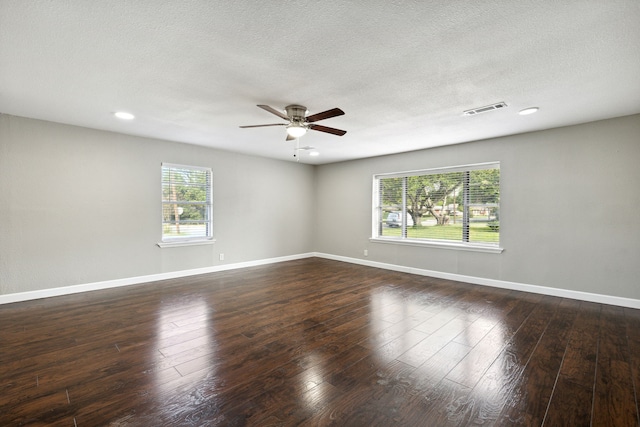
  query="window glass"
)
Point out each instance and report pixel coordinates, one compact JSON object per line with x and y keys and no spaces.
{"x":459,"y":204}
{"x":186,"y":203}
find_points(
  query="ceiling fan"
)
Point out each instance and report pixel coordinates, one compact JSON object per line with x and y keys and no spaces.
{"x":299,"y":122}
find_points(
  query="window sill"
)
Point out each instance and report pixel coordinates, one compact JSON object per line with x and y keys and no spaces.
{"x":441,"y":245}
{"x":177,"y":243}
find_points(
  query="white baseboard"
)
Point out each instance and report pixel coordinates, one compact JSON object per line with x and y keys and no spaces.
{"x":95,"y":286}
{"x":564,"y":293}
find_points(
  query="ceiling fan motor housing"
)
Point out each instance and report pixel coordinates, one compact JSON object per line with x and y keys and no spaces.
{"x":296,"y":113}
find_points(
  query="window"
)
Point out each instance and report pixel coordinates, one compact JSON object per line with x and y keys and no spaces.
{"x":458,"y":207}
{"x":186,"y":203}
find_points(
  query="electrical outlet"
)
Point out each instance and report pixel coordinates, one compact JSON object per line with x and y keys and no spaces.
{"x":221,"y":257}
{"x":366,"y":252}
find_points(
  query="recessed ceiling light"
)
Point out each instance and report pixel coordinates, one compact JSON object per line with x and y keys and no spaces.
{"x":314,"y":153}
{"x":529,"y":110}
{"x":124,"y":115}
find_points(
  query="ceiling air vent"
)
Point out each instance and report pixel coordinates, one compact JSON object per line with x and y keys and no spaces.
{"x":484,"y":109}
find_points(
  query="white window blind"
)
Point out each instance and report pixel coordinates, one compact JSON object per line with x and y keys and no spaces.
{"x":186,"y":203}
{"x":457,"y":205}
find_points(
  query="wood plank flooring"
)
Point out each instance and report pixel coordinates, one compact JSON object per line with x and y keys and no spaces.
{"x":316,"y":342}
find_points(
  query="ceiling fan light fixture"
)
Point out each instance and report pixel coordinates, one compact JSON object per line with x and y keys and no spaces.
{"x":296,"y":130}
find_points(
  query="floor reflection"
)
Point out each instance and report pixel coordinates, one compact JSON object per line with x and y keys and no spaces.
{"x":393,"y":322}
{"x":458,"y":341}
{"x":310,"y":381}
{"x":183,"y":330}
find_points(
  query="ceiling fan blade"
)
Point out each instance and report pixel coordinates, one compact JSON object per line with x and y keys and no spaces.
{"x":290,"y":138}
{"x":326,"y":129}
{"x":325,"y":115}
{"x":274,"y":111}
{"x":260,"y":126}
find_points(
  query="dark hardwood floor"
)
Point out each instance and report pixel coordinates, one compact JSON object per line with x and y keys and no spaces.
{"x":316,"y":342}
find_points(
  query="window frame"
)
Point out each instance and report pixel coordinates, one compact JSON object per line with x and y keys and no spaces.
{"x":424,"y":242}
{"x":208,"y":204}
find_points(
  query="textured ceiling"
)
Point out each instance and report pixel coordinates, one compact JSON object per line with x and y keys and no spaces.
{"x":403,"y":71}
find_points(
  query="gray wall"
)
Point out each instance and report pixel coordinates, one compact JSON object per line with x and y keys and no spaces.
{"x":569,"y":206}
{"x":80,"y":205}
